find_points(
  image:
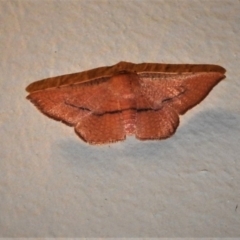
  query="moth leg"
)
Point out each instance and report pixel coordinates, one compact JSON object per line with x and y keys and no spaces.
{"x":100,"y":129}
{"x":156,"y":124}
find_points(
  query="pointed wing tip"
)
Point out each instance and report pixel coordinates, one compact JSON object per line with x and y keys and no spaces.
{"x":220,"y":69}
{"x":32,"y":87}
{"x":28,"y":88}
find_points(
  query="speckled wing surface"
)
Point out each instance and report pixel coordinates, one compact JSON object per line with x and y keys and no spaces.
{"x":106,"y":104}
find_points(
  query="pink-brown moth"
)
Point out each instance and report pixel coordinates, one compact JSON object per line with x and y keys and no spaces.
{"x":106,"y":104}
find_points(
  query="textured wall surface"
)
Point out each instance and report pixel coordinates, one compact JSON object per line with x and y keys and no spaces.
{"x":54,"y":185}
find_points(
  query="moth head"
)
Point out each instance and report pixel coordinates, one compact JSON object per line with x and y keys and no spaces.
{"x":124,"y":82}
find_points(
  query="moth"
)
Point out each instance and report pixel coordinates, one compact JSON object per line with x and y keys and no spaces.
{"x":106,"y":104}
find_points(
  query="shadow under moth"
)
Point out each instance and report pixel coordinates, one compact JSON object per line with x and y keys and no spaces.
{"x":106,"y":104}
